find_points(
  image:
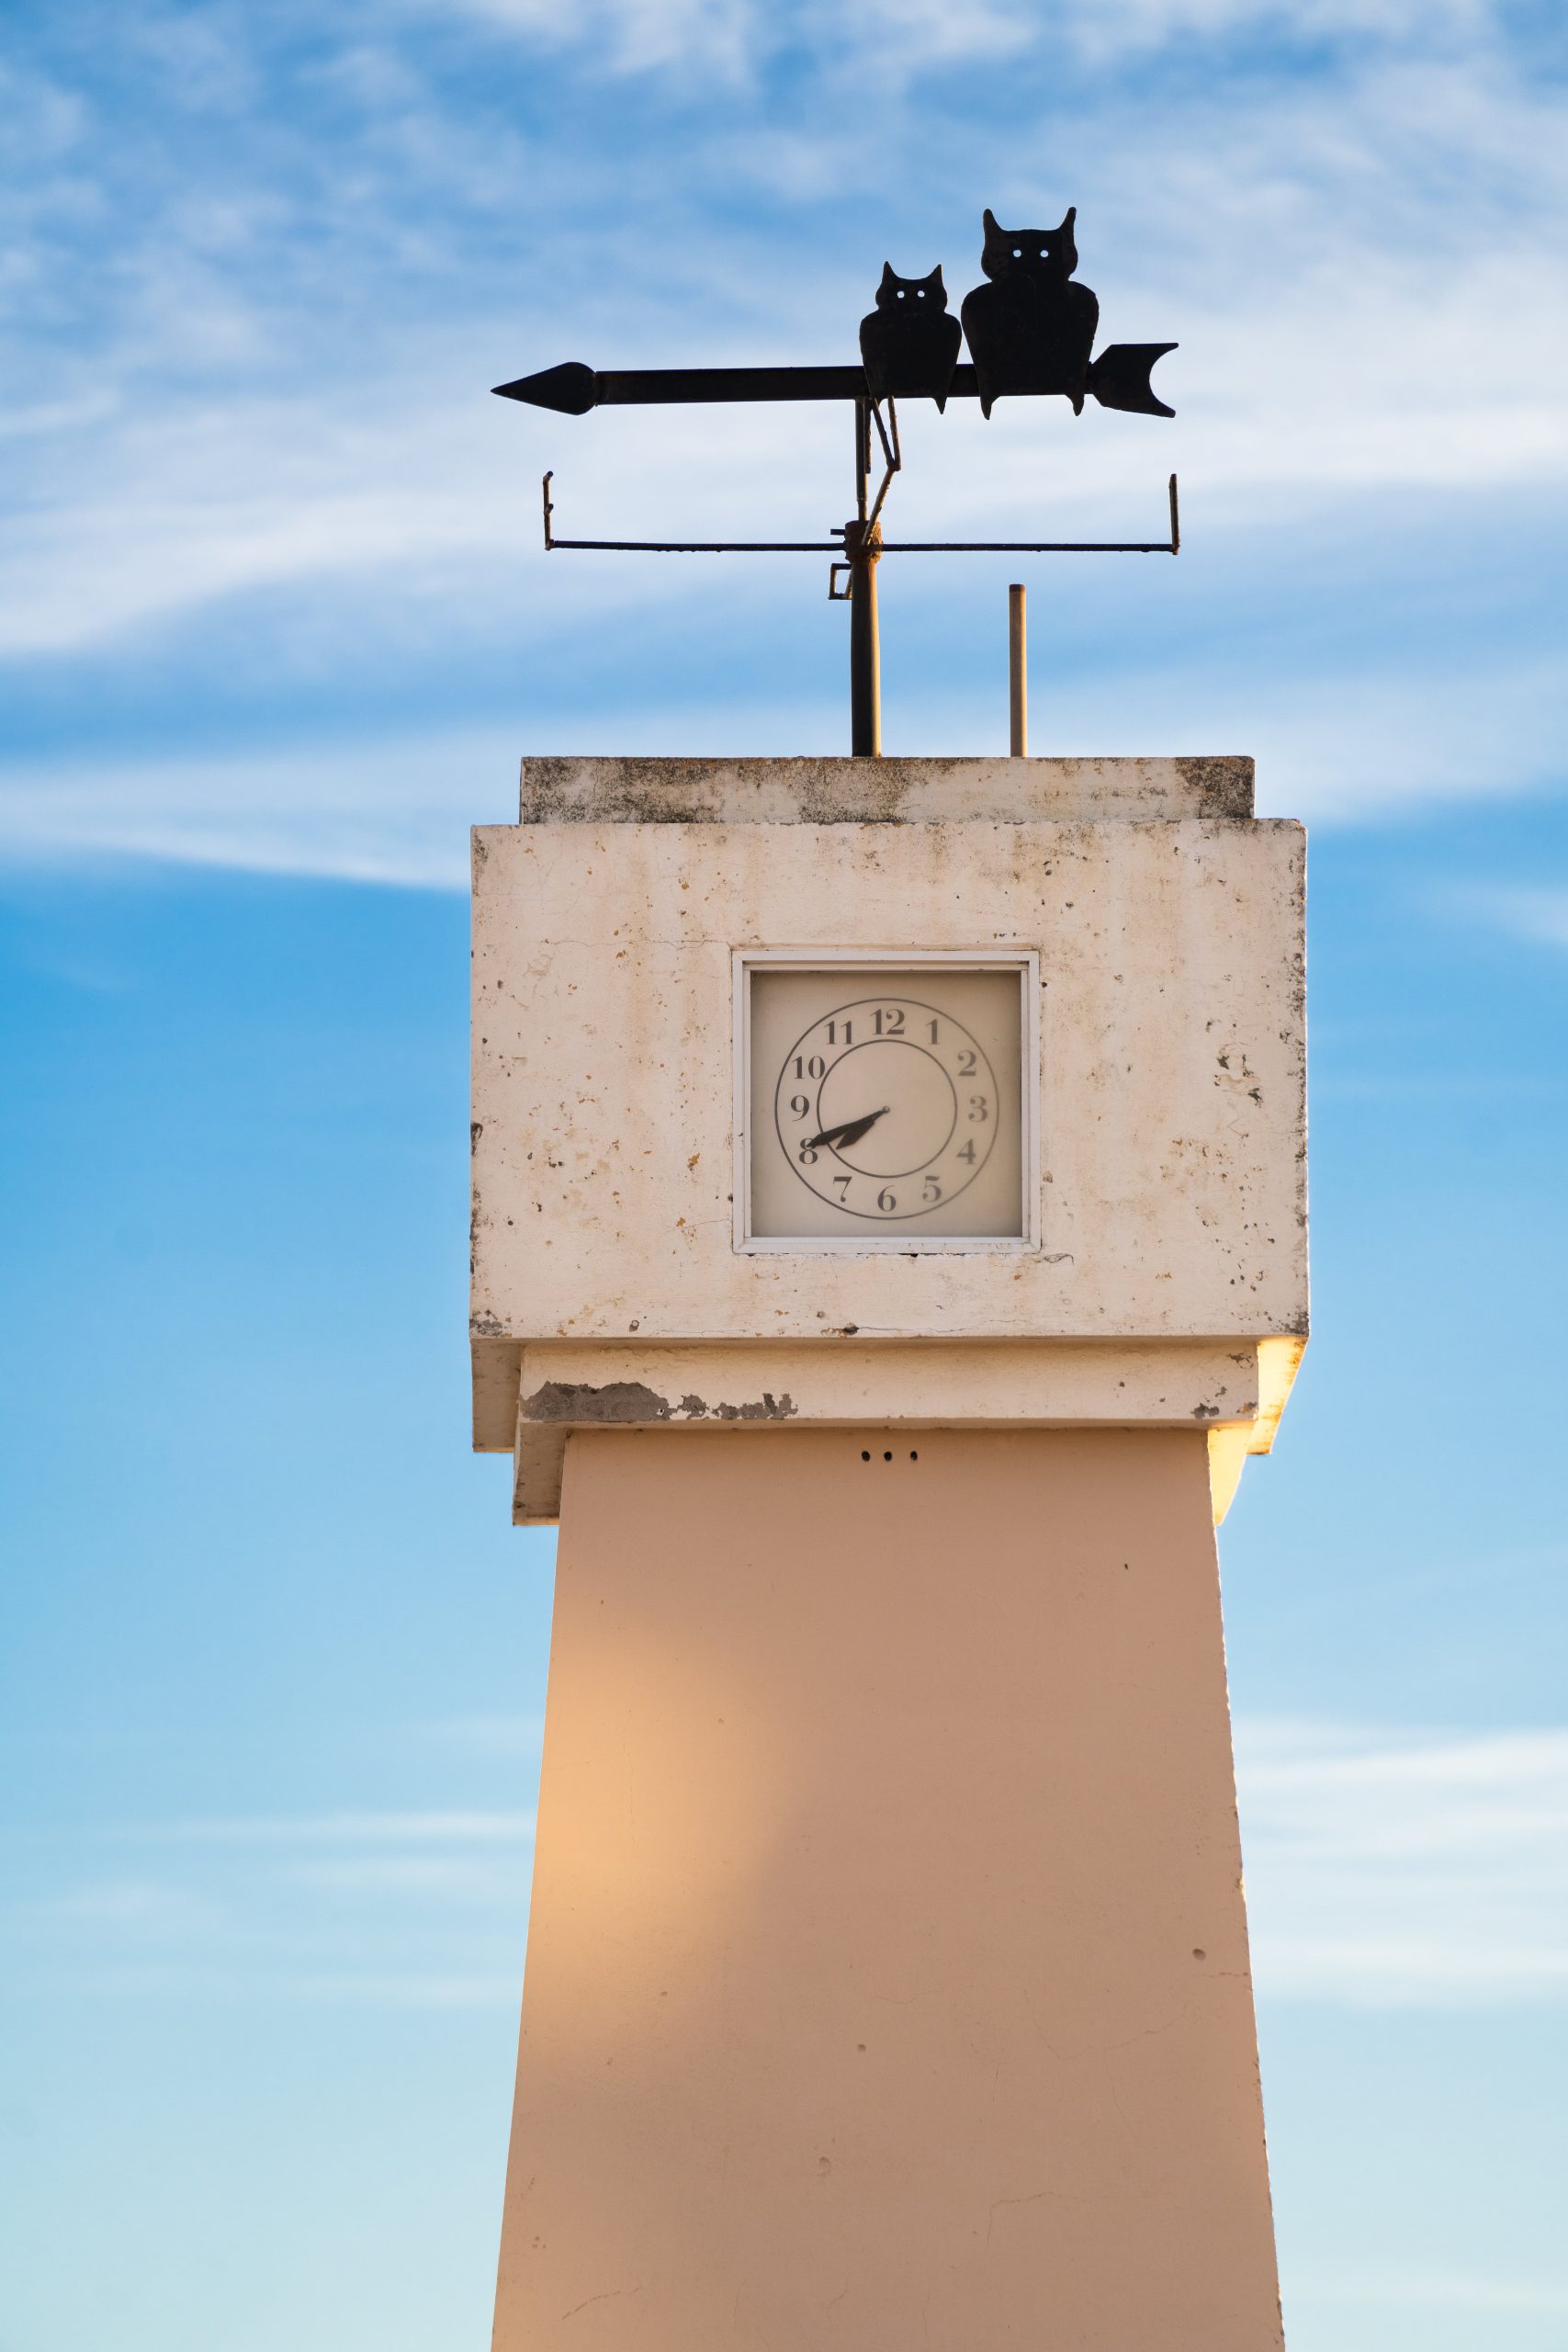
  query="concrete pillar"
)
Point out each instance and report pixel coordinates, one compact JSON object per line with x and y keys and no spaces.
{"x":887,"y":1984}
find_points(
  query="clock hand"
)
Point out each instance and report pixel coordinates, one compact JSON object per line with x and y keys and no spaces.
{"x":851,"y":1132}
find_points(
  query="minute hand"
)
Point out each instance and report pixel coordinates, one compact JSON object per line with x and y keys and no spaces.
{"x":851,"y":1132}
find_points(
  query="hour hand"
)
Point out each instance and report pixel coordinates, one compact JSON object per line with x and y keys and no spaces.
{"x":840,"y":1139}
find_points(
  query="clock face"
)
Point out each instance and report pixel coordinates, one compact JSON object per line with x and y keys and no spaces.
{"x":887,"y":1105}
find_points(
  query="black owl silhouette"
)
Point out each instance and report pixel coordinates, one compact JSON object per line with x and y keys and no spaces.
{"x":1030,"y":330}
{"x":910,"y":343}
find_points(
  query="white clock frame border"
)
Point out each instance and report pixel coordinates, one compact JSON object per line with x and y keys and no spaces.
{"x":1025,"y":963}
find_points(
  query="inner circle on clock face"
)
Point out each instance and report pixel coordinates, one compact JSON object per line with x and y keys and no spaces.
{"x":921,"y":1105}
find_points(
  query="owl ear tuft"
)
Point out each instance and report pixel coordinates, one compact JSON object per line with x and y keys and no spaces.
{"x":988,"y":219}
{"x":1066,"y":243}
{"x":936,"y":279}
{"x":888,"y":277}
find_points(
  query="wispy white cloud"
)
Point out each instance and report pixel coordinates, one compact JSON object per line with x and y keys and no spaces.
{"x":1345,"y":751}
{"x":420,"y":1908}
{"x":502,"y":1735}
{"x":1529,"y":910}
{"x":733,"y":40}
{"x":1406,"y":1871}
{"x":1439,"y":2290}
{"x":1384,"y":1869}
{"x":349,"y":1829}
{"x":1109,"y":28}
{"x":1364,"y":267}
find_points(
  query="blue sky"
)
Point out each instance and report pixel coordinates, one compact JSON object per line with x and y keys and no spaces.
{"x":274,"y":629}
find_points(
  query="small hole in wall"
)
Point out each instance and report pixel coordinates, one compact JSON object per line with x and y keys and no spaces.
{"x":865,"y":1457}
{"x":888,"y":1457}
{"x":914,"y":1457}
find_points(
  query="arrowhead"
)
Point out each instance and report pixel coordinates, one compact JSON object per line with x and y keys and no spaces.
{"x":572,"y":389}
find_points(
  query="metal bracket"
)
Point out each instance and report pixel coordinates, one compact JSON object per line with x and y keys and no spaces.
{"x":837,"y":595}
{"x":891,"y":455}
{"x":1171,"y":546}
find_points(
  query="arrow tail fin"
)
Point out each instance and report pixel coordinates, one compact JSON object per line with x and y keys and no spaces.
{"x":1120,"y":378}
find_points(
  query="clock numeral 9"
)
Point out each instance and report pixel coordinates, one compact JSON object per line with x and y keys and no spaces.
{"x":801,"y":1106}
{"x":887,"y":1202}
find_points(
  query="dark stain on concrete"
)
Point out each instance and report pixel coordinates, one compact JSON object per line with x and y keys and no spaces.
{"x":563,"y":791}
{"x":1224,"y":787}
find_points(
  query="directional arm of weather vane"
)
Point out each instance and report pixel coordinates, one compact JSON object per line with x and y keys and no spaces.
{"x":1119,"y":378}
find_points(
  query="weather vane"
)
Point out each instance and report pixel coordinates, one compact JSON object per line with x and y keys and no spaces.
{"x":1030,"y":330}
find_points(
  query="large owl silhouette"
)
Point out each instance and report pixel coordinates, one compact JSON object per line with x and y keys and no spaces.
{"x":910,"y":343}
{"x":1030,"y":330}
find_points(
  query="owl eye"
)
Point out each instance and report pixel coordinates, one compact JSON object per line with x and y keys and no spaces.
{"x":919,"y":293}
{"x":1018,"y":252}
{"x":900,"y":293}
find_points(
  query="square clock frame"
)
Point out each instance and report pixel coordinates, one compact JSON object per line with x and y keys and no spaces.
{"x":887,"y":1100}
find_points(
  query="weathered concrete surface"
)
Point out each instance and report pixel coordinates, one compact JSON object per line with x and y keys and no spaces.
{"x":869,"y":792}
{"x":1171,"y":1096}
{"x":878,"y":1389}
{"x":887,"y":1979}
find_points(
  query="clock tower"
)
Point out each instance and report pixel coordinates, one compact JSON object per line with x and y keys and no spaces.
{"x":889,"y":1243}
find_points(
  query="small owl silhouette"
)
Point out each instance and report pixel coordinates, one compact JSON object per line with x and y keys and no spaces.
{"x":1030,"y":330}
{"x":910,"y":343}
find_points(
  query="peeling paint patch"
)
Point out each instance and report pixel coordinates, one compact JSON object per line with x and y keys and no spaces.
{"x":622,"y":1403}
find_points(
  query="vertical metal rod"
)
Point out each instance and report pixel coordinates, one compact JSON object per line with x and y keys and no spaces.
{"x":1018,"y":673}
{"x":862,"y":546}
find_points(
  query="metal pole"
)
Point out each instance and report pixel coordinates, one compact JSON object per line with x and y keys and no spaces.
{"x":862,"y":546}
{"x":1018,"y":673}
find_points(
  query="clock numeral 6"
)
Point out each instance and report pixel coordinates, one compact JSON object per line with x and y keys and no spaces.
{"x":887,"y":1202}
